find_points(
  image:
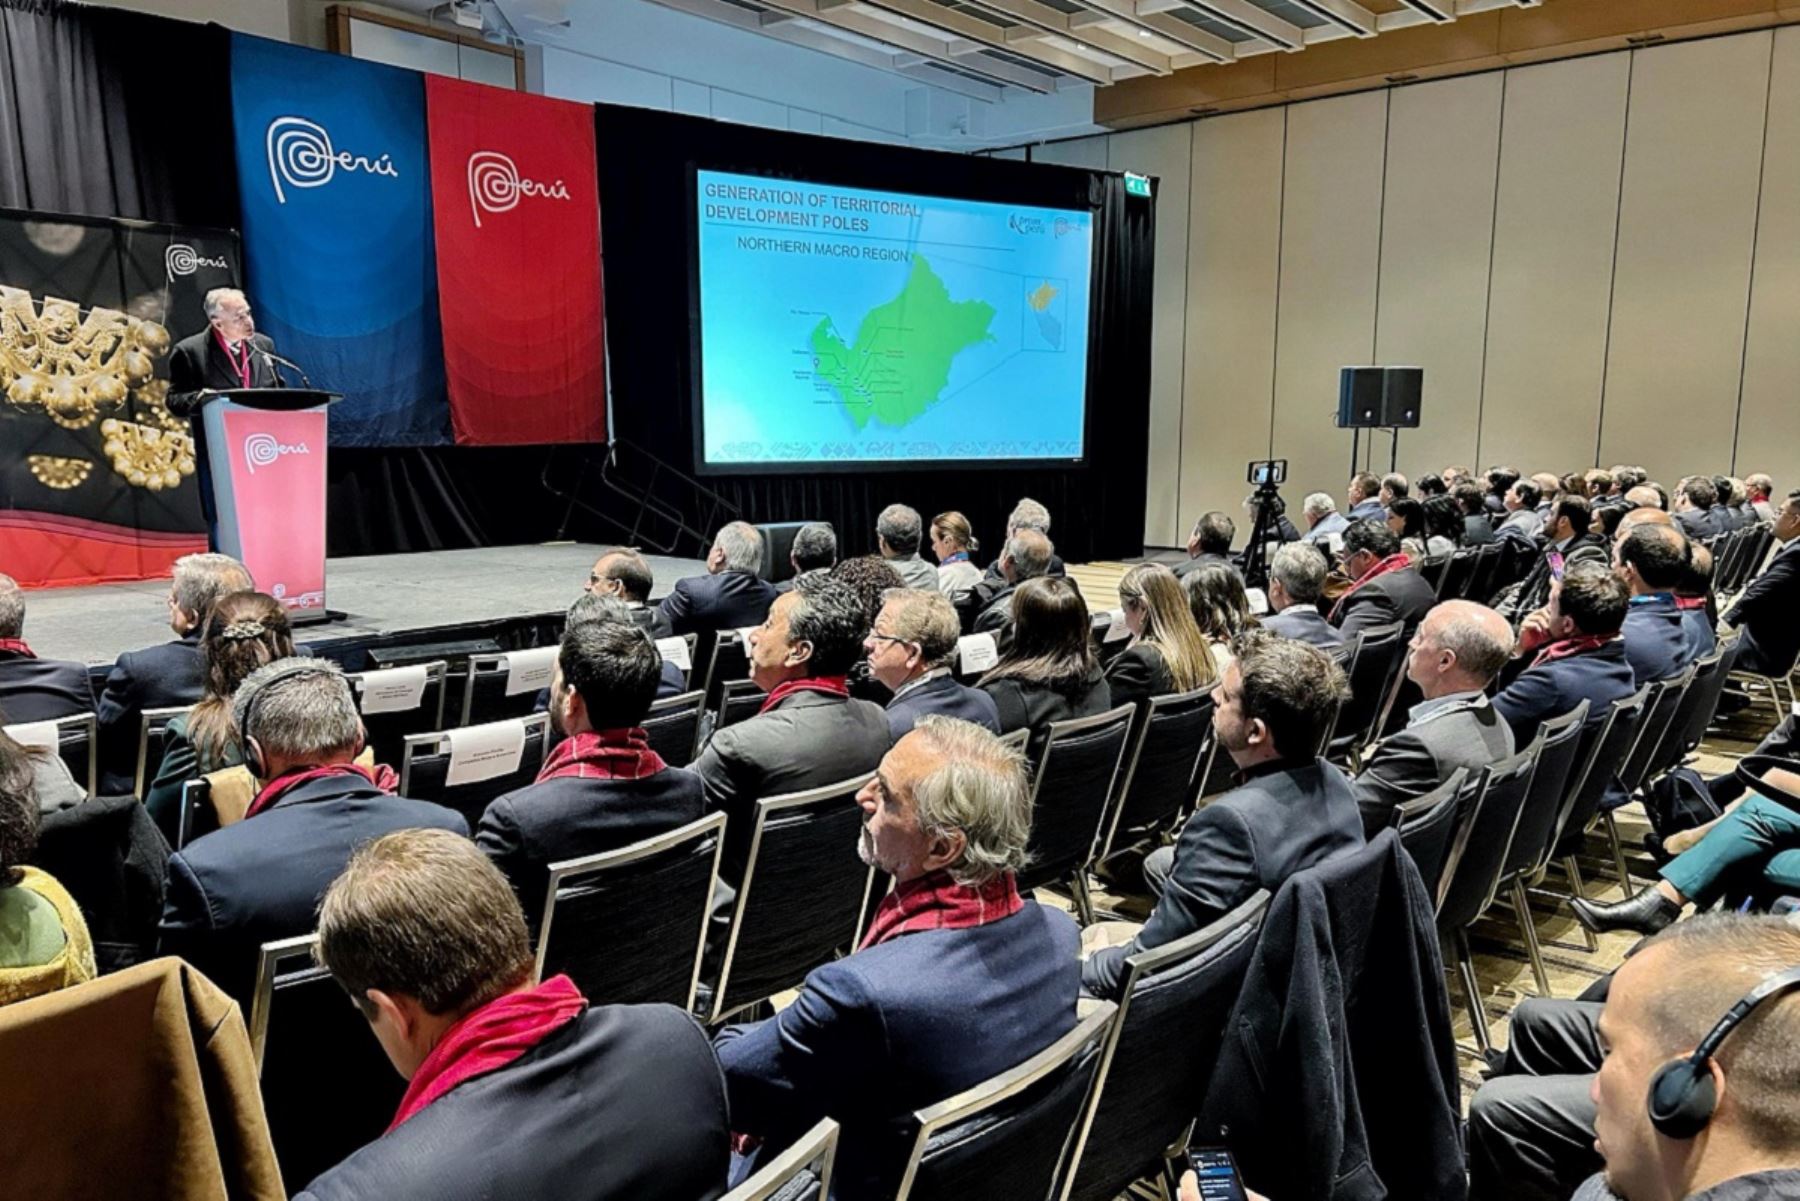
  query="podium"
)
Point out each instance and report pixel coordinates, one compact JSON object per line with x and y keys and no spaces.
{"x":265,"y":448}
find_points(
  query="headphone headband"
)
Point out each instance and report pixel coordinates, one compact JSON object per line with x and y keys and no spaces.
{"x":1682,"y":1093}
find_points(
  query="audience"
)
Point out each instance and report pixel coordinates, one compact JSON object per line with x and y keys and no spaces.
{"x":1385,"y":586}
{"x":1570,"y":651}
{"x":260,"y":879}
{"x":1695,"y":498}
{"x":911,"y":651}
{"x":1209,"y":543}
{"x":624,"y":575}
{"x":1325,"y":526}
{"x":1647,"y":496}
{"x":1694,"y":601}
{"x":44,"y":943}
{"x":1167,"y":653}
{"x":1406,"y":517}
{"x":1523,"y":523}
{"x":731,"y":596}
{"x":1478,"y":525}
{"x":1296,"y":582}
{"x":1443,"y":523}
{"x":988,"y":607}
{"x":1393,"y":488}
{"x":1765,"y":611}
{"x":1221,"y":608}
{"x":1432,"y":485}
{"x":514,"y":1089}
{"x":953,"y":541}
{"x":898,"y":534}
{"x":1048,"y":671}
{"x":1758,"y":489}
{"x":1364,"y":496}
{"x":51,"y":782}
{"x":1568,"y":542}
{"x":1028,"y":514}
{"x":814,"y":549}
{"x":1500,"y":481}
{"x":1651,"y":560}
{"x":871,"y":577}
{"x":1291,"y":809}
{"x":35,"y":689}
{"x":166,"y":676}
{"x":958,"y":977}
{"x":602,"y":787}
{"x":1459,"y":649}
{"x":1728,"y":505}
{"x":1550,"y":488}
{"x":244,"y":631}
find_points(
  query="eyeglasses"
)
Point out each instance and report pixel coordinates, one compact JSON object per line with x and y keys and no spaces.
{"x":880,"y":637}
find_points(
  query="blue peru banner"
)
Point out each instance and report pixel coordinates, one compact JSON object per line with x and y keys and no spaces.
{"x":336,"y":197}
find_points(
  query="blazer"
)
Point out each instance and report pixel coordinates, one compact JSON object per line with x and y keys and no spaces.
{"x":1401,"y":596}
{"x":1600,"y":677}
{"x":1655,"y":639}
{"x":1368,"y":510}
{"x":1427,"y":752}
{"x":158,"y":677}
{"x":1697,"y":523}
{"x":1280,"y":820}
{"x":1765,"y":613}
{"x":915,"y":572}
{"x":992,"y":572}
{"x":180,"y":763}
{"x":261,"y":879}
{"x":941,"y":697}
{"x":729,"y":600}
{"x":1534,"y":592}
{"x":196,"y":363}
{"x":1331,"y":527}
{"x":1138,"y":673}
{"x":652,"y":620}
{"x":1478,"y":530}
{"x":1698,"y":637}
{"x":926,"y":1015}
{"x":1028,"y":706}
{"x":42,"y":689}
{"x":530,"y":828}
{"x":1189,"y":566}
{"x":624,"y":1103}
{"x":1302,"y":623}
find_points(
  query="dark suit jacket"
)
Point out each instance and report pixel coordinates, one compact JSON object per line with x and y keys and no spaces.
{"x":992,"y":571}
{"x":1766,"y":614}
{"x":528,"y":829}
{"x":1655,"y":639}
{"x":1401,"y":596}
{"x":651,"y":619}
{"x":942,"y":697}
{"x":158,"y":677}
{"x":1137,"y":674}
{"x":1697,"y":523}
{"x":1428,"y":752}
{"x":1189,"y":566}
{"x":1477,"y":531}
{"x":198,"y":362}
{"x":42,"y":689}
{"x":579,"y":1119}
{"x":1534,"y":592}
{"x":1027,"y":706}
{"x":1276,"y":823}
{"x":729,"y":600}
{"x":1600,"y":677}
{"x":1368,"y":510}
{"x":261,"y":879}
{"x":1304,"y":625}
{"x":927,"y":1015}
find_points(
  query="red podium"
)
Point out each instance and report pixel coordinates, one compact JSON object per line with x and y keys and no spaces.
{"x":266,"y":451}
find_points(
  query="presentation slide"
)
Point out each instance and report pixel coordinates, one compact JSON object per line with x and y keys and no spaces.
{"x":843,"y":326}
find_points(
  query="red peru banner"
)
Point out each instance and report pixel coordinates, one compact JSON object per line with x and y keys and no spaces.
{"x":516,"y":208}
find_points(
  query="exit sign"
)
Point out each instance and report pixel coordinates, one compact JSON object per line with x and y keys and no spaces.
{"x":1137,"y":185}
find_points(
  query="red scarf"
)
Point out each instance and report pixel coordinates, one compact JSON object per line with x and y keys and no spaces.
{"x":241,"y":369}
{"x":603,"y":755}
{"x":16,"y":646}
{"x":1394,"y":562}
{"x":490,"y":1038}
{"x":381,"y":775}
{"x":1574,"y":644}
{"x":1690,"y":602}
{"x":934,"y":901}
{"x":832,"y":685}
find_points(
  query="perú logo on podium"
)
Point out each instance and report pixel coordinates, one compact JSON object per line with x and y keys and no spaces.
{"x":262,"y":450}
{"x":495,"y":185}
{"x":301,"y":156}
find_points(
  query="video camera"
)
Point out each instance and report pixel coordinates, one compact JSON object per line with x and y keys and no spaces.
{"x":1268,"y":473}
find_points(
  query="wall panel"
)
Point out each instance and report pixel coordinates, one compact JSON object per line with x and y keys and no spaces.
{"x":1076,"y":152}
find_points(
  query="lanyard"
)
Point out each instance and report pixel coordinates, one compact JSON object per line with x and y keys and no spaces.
{"x":241,"y":368}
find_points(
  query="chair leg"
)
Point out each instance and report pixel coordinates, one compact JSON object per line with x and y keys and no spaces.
{"x":1084,"y":903}
{"x":1578,"y":888}
{"x":1465,"y":965}
{"x":1522,"y":908}
{"x":1618,"y":852}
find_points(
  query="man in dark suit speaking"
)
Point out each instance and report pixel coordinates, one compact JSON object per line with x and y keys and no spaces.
{"x":227,"y":354}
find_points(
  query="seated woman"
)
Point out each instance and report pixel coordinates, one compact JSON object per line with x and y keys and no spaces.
{"x":1605,"y":520}
{"x":1221,"y":608}
{"x":1048,"y":672}
{"x":44,"y":943}
{"x":1443,"y":525}
{"x":244,"y":631}
{"x":1166,"y":653}
{"x":952,"y":541}
{"x":50,"y":778}
{"x":1406,"y":517}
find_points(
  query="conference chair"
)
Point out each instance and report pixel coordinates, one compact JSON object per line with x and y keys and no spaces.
{"x":463,"y":770}
{"x":739,"y":700}
{"x":629,"y":926}
{"x":1454,"y":581}
{"x":197,"y":815}
{"x":680,"y":650}
{"x":505,"y":685}
{"x":1433,"y":569}
{"x":1376,"y":665}
{"x":1429,"y":826}
{"x":1479,"y":584}
{"x":1017,"y":1127}
{"x":399,"y":701}
{"x":72,"y":738}
{"x":327,"y":1087}
{"x":1534,"y":838}
{"x":1695,"y":712}
{"x":153,"y":740}
{"x":800,"y":1173}
{"x":1018,"y":740}
{"x":802,"y":897}
{"x":1070,"y":790}
{"x":1169,"y":743}
{"x":727,"y":658}
{"x":1634,"y":773}
{"x":673,"y":727}
{"x":1163,"y":1043}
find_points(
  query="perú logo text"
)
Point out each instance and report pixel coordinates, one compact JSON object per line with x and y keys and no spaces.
{"x":495,"y":185}
{"x":260,"y":450}
{"x":182,"y":259}
{"x":302,"y":156}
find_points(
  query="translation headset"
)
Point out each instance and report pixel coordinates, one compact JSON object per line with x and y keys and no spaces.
{"x":248,"y":699}
{"x":1682,"y":1093}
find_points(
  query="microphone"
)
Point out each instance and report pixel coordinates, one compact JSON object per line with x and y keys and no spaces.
{"x":275,"y":358}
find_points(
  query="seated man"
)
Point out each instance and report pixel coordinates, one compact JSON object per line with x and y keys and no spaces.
{"x":957,"y":980}
{"x":1325,"y":526}
{"x":1567,"y":544}
{"x":1291,"y":810}
{"x":1694,"y":601}
{"x":1393,"y":487}
{"x":910,"y":651}
{"x":1296,"y":582}
{"x":1651,"y":560}
{"x":1570,"y":651}
{"x":987,"y":607}
{"x":161,"y":677}
{"x":1364,"y":496}
{"x":1028,"y":514}
{"x":1459,"y":649}
{"x":602,"y":787}
{"x":1531,"y":1124}
{"x":1478,"y":524}
{"x":731,"y":596}
{"x":1759,"y":489}
{"x":34,"y":689}
{"x":1522,"y":522}
{"x":625,"y":575}
{"x":898,"y":532}
{"x":428,"y":941}
{"x":595,"y":606}
{"x":260,"y":879}
{"x":1695,"y":497}
{"x":810,"y":731}
{"x":1209,"y":543}
{"x":814,"y":549}
{"x":1766,"y":608}
{"x":1386,"y":587}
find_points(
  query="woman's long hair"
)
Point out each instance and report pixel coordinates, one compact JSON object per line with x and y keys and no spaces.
{"x":1444,"y":519}
{"x":1169,"y":625}
{"x":18,"y":809}
{"x":1217,"y":599}
{"x":1052,"y":638}
{"x":243,"y":631}
{"x":1412,"y":517}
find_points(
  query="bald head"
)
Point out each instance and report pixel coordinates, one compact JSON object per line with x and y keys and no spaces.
{"x":1460,"y":647}
{"x":1637,"y":517}
{"x":1645,"y":496}
{"x":1653,"y":558}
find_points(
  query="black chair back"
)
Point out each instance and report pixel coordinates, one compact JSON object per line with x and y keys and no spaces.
{"x":1167,"y":749}
{"x":1557,"y":744}
{"x":1695,"y":712}
{"x":1433,"y":568}
{"x":1074,"y":780}
{"x":74,"y":740}
{"x":673,"y":726}
{"x":1665,"y":699}
{"x":1454,"y":581}
{"x":1429,"y":825}
{"x":1152,"y":1080}
{"x":1018,"y":1127}
{"x":505,"y":685}
{"x":800,"y":1173}
{"x":652,"y":955}
{"x":153,"y":740}
{"x":1483,"y":844}
{"x":1597,"y":766}
{"x":1375,"y":664}
{"x":197,"y":815}
{"x":802,"y":897}
{"x":739,"y":700}
{"x":1480,"y":584}
{"x":425,"y":766}
{"x":727,"y":658}
{"x":397,"y":702}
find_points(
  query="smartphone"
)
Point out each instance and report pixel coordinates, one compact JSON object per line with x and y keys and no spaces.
{"x":1217,"y":1173}
{"x":1556,"y":565}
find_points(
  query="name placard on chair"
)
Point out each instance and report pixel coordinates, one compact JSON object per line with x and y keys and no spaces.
{"x":977,"y":652}
{"x":480,"y":753}
{"x":528,"y":671}
{"x":393,"y":689}
{"x":675,"y":650}
{"x":34,"y":733}
{"x":1116,"y":628}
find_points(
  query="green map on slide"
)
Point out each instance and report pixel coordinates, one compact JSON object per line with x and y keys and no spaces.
{"x":903,"y":351}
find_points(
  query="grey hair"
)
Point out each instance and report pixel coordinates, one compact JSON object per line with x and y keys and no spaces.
{"x":202,"y":579}
{"x":925,"y":618}
{"x":216,"y":297}
{"x":1028,"y":514}
{"x":12,"y":608}
{"x":1317,"y":504}
{"x":299,"y":709}
{"x":1466,"y":636}
{"x":901,"y":528}
{"x":1301,"y":569}
{"x":1030,"y":553}
{"x":979,"y":788}
{"x":742,"y":544}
